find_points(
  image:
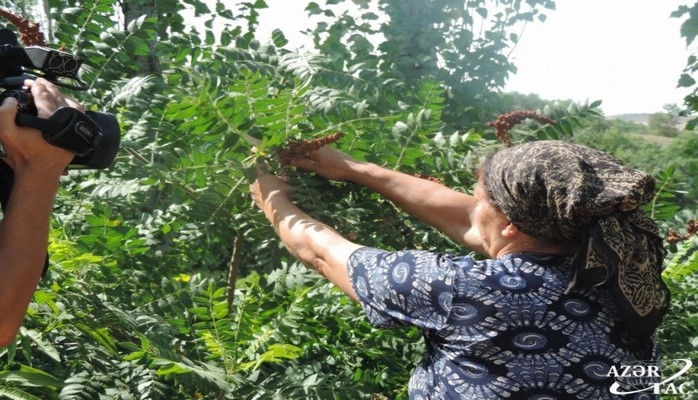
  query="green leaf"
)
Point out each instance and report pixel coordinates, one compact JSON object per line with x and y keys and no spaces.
{"x":686,"y":81}
{"x":29,"y":376}
{"x":16,"y":394}
{"x":46,"y":346}
{"x":278,"y":38}
{"x":689,"y":29}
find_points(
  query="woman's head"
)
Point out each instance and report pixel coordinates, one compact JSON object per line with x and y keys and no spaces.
{"x":562,"y":192}
{"x":553,"y":189}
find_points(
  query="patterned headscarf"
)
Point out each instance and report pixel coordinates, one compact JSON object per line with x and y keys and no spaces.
{"x":562,"y":192}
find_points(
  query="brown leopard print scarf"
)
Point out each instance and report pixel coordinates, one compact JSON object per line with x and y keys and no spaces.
{"x":563,"y":192}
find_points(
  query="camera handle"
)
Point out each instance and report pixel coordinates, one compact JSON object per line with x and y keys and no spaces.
{"x":67,"y":128}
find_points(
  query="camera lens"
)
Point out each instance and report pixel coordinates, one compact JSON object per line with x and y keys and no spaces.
{"x":55,"y":61}
{"x":70,"y":65}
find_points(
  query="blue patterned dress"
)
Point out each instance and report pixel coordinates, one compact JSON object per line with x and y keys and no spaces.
{"x":499,"y":328}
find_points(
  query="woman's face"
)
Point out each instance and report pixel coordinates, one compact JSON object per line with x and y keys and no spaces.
{"x":489,"y":221}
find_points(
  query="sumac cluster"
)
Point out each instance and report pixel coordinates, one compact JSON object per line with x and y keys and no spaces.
{"x":505,"y":122}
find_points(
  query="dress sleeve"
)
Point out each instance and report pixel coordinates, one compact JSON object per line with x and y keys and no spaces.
{"x":404,"y":287}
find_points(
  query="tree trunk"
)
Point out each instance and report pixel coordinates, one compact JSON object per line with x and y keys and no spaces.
{"x":132,"y":10}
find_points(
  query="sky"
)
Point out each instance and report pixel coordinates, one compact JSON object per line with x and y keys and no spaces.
{"x":627,"y":53}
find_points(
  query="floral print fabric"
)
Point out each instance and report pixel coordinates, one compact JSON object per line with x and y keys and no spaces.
{"x":498,"y":328}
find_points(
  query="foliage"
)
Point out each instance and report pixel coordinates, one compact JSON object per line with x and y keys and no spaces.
{"x":625,"y":142}
{"x":679,"y":331}
{"x":529,"y":101}
{"x":666,"y":123}
{"x":642,"y":146}
{"x":136,"y":304}
{"x":463,"y":44}
{"x":165,"y":284}
{"x":689,"y":30}
{"x":683,"y":153}
{"x":678,"y":335}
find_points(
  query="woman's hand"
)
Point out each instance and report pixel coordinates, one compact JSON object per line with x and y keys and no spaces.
{"x":266,"y":187}
{"x":328,"y":163}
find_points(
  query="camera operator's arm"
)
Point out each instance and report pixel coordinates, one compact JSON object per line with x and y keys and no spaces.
{"x":24,"y":229}
{"x":437,"y":205}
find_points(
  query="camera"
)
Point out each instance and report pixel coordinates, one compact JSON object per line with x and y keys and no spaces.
{"x":94,"y":137}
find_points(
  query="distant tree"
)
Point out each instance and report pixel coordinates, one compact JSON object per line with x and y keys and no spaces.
{"x":689,"y":31}
{"x":626,"y":126}
{"x":619,"y":125}
{"x":531,"y":101}
{"x":665,"y":123}
{"x":463,"y":45}
{"x":681,"y":153}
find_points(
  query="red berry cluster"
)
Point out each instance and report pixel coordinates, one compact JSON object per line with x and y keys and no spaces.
{"x":505,"y":122}
{"x":30,"y":34}
{"x":675,"y":237}
{"x":302,"y":147}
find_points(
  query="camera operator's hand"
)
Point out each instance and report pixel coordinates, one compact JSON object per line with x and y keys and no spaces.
{"x":37,"y":168}
{"x":25,"y":147}
{"x":48,"y":98}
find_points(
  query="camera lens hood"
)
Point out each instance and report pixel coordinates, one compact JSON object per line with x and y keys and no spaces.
{"x":105,"y":153}
{"x":94,"y":137}
{"x":67,"y":128}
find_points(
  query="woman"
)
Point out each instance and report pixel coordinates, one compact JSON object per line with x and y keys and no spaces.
{"x":570,"y":292}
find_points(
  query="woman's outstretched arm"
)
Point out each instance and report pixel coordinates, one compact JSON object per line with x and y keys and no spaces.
{"x":443,"y":208}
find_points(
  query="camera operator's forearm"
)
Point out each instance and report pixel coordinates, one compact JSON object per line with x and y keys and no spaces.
{"x":433,"y":203}
{"x":23,"y":239}
{"x":312,"y":242}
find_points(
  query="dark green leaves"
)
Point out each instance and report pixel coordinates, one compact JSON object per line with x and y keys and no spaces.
{"x":137,"y":303}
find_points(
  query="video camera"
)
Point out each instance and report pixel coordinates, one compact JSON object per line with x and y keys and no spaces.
{"x":94,"y":137}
